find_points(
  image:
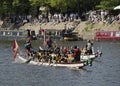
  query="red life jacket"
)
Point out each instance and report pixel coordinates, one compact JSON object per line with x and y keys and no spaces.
{"x":76,"y":51}
{"x":66,"y":50}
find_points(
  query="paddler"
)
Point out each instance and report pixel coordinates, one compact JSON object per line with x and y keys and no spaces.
{"x":49,"y":42}
{"x":28,"y":46}
{"x":89,"y":46}
{"x":76,"y":53}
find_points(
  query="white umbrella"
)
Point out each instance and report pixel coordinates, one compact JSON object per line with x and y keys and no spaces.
{"x":117,"y":7}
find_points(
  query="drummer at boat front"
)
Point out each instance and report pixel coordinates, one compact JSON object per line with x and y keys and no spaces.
{"x":28,"y":46}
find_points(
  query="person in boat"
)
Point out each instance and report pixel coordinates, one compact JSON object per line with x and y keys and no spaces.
{"x":66,"y":50}
{"x":71,"y":49}
{"x":83,"y":51}
{"x":57,"y":50}
{"x":70,"y":58}
{"x":28,"y":46}
{"x":89,"y":46}
{"x":62,"y":52}
{"x":70,"y":55}
{"x":49,"y":42}
{"x":61,"y":56}
{"x":76,"y":53}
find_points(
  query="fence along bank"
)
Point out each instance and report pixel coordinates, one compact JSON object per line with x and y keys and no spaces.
{"x":22,"y":34}
{"x":12,"y":34}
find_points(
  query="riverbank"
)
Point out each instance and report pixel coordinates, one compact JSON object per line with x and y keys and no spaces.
{"x":85,"y":29}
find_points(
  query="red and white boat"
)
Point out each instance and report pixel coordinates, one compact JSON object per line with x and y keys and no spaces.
{"x":20,"y":59}
{"x":107,"y":35}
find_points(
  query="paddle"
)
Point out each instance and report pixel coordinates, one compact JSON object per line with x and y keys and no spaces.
{"x":33,"y":55}
{"x":29,"y":60}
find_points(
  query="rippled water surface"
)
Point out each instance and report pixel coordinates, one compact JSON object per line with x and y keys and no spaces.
{"x":104,"y":72}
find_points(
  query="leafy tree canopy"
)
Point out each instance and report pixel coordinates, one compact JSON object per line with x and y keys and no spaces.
{"x":8,"y":7}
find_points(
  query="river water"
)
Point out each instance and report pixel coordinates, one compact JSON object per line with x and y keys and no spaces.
{"x":104,"y":72}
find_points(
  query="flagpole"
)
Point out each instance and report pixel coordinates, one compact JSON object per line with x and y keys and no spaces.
{"x":44,"y":37}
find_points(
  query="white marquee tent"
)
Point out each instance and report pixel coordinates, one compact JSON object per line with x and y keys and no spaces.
{"x":117,"y":7}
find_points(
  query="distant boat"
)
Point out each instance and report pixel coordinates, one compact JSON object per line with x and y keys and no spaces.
{"x":72,"y":36}
{"x":107,"y":35}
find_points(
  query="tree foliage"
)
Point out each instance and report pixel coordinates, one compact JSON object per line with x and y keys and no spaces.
{"x":108,"y":4}
{"x":8,"y":7}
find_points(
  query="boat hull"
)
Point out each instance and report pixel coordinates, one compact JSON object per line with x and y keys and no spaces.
{"x":20,"y":59}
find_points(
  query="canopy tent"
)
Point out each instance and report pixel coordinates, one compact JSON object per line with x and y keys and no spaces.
{"x":117,"y":7}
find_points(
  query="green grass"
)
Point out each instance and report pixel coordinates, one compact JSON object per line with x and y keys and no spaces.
{"x":119,"y":28}
{"x":89,"y":27}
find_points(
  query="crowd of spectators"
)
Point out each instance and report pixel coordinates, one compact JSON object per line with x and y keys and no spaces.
{"x":42,"y":18}
{"x":91,"y":16}
{"x":104,"y":16}
{"x":56,"y":18}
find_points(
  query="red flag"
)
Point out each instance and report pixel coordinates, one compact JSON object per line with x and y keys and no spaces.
{"x":44,"y":37}
{"x":15,"y":48}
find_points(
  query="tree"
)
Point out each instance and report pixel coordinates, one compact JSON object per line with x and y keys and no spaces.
{"x":21,"y":7}
{"x":108,"y":4}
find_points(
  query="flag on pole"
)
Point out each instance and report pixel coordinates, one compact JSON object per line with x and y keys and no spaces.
{"x":15,"y":48}
{"x":44,"y":37}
